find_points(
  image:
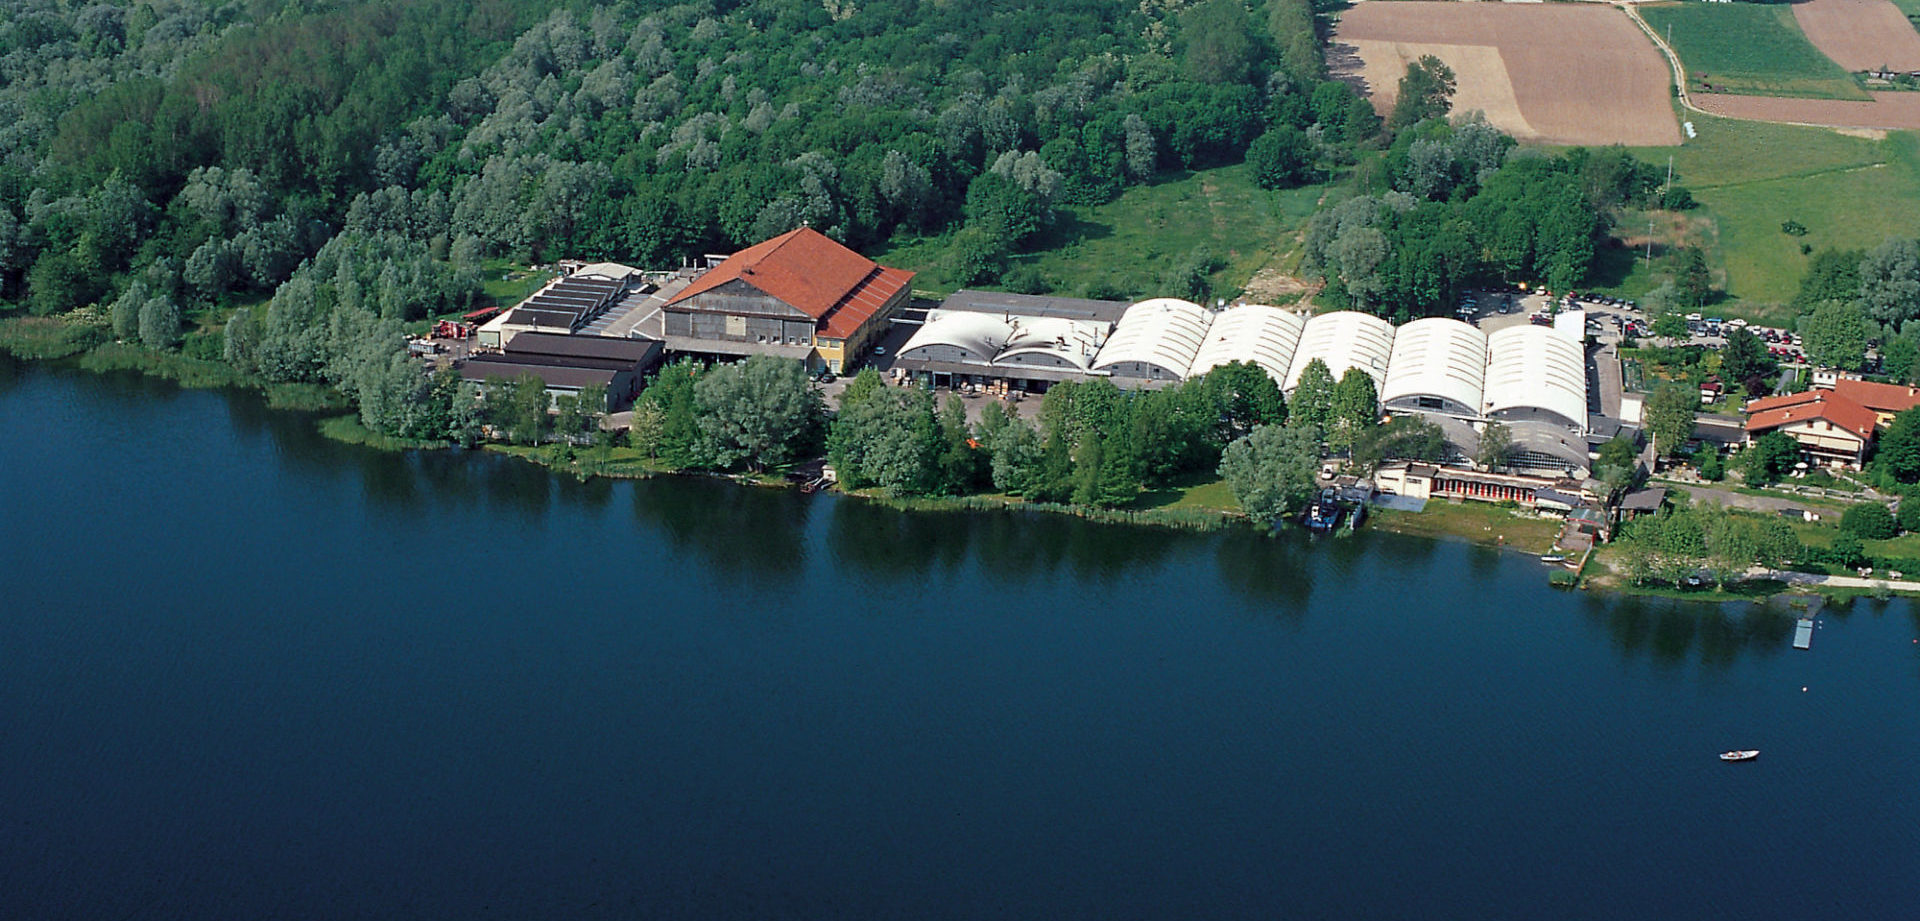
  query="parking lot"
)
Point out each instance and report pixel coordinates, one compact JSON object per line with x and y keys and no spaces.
{"x":1611,"y":320}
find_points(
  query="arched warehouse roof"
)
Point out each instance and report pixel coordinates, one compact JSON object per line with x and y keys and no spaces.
{"x":1266,"y":336}
{"x":1438,"y":364}
{"x":1156,"y":338}
{"x":1345,"y":339}
{"x":958,"y":335}
{"x":1053,"y":342}
{"x":1536,"y":373}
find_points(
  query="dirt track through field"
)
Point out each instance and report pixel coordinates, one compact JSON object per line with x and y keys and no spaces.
{"x":1891,"y":110}
{"x":1861,"y":34}
{"x":1550,"y":73}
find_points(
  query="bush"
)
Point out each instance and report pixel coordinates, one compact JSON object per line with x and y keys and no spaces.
{"x":1869,"y":521}
{"x":1846,"y":551}
{"x":1712,"y":468}
{"x":1909,"y":517}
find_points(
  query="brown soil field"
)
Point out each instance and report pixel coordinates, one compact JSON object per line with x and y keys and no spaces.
{"x":1546,"y":73}
{"x":1894,"y":111}
{"x":1860,"y":34}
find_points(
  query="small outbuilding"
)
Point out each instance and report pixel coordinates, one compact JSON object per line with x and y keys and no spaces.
{"x":570,"y":364}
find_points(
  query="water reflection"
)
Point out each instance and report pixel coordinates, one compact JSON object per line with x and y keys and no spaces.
{"x":1008,"y":545}
{"x":1672,"y":632}
{"x":1273,"y":572}
{"x":11,"y":371}
{"x":735,"y":530}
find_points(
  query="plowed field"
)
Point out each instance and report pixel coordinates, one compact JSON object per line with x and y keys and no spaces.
{"x":1861,"y":34}
{"x":1550,"y":73}
{"x":1893,"y":110}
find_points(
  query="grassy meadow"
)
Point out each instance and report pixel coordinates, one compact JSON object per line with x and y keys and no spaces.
{"x":1752,"y":49}
{"x":1129,"y":246}
{"x":1849,"y":191}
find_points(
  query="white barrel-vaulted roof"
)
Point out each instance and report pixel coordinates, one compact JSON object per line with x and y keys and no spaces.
{"x":1265,"y":336}
{"x":1162,"y":334}
{"x":1345,"y":339}
{"x":1437,"y":359}
{"x":1531,"y":371}
{"x":976,"y":336}
{"x":1042,"y":340}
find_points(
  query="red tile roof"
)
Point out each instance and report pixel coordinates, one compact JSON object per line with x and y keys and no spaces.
{"x":1886,"y":398}
{"x":1786,"y":399}
{"x":1843,"y":413}
{"x":836,"y":286}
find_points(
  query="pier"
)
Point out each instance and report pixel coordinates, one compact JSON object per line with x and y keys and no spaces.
{"x":1803,"y":633}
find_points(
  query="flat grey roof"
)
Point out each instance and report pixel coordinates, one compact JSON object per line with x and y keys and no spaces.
{"x":532,"y":316}
{"x":486,"y":367}
{"x":629,"y":351}
{"x":1035,"y":305}
{"x":1644,"y":500}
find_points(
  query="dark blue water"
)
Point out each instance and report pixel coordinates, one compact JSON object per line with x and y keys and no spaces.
{"x":246,"y":673}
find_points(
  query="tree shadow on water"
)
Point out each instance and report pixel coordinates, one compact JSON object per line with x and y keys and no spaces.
{"x":1672,"y":632}
{"x":1274,"y":573}
{"x":735,"y":530}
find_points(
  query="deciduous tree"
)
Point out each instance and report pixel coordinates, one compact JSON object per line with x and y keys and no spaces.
{"x":1899,"y":451}
{"x":760,"y":411}
{"x":1311,"y":407}
{"x":1769,"y":458}
{"x":1271,"y":471}
{"x":159,"y":323}
{"x":1836,"y":334}
{"x":1669,"y":414}
{"x":1426,"y":91}
{"x":1496,"y":445}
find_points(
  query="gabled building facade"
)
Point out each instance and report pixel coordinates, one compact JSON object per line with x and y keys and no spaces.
{"x":1830,"y":428}
{"x":799,"y":295}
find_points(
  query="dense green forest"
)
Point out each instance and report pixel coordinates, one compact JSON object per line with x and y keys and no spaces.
{"x":208,"y":148}
{"x":285,"y":187}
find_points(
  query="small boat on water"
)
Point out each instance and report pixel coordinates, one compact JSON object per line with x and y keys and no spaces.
{"x":1747,"y":755}
{"x":1552,"y":558}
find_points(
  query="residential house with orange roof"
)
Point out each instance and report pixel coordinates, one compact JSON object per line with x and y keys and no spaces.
{"x":800,"y":295}
{"x":1886,"y":400}
{"x":1831,"y":428}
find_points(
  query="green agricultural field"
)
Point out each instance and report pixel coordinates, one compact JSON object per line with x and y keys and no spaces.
{"x":1750,"y":177}
{"x":1755,"y":49}
{"x":1130,"y":246}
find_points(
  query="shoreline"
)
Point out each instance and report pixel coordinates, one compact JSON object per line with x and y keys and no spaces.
{"x":1469,"y":523}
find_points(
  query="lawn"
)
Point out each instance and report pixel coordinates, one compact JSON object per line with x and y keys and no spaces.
{"x":1752,"y":49}
{"x":1128,"y":247}
{"x":1195,"y":491}
{"x":1750,"y":177}
{"x":1479,"y":522}
{"x":504,"y":284}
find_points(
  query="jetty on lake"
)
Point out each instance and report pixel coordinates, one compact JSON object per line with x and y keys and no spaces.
{"x":1803,"y":633}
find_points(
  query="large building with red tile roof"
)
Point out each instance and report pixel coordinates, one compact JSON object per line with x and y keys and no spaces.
{"x":1830,"y":427}
{"x":1886,"y":400}
{"x":800,"y":294}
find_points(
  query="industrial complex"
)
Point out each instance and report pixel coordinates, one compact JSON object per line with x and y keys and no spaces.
{"x":802,"y":295}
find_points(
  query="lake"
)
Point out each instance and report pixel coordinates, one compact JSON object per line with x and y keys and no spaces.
{"x":249,"y":673}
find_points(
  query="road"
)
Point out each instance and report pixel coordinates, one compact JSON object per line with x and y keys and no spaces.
{"x":1673,"y":60}
{"x":1814,"y":578}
